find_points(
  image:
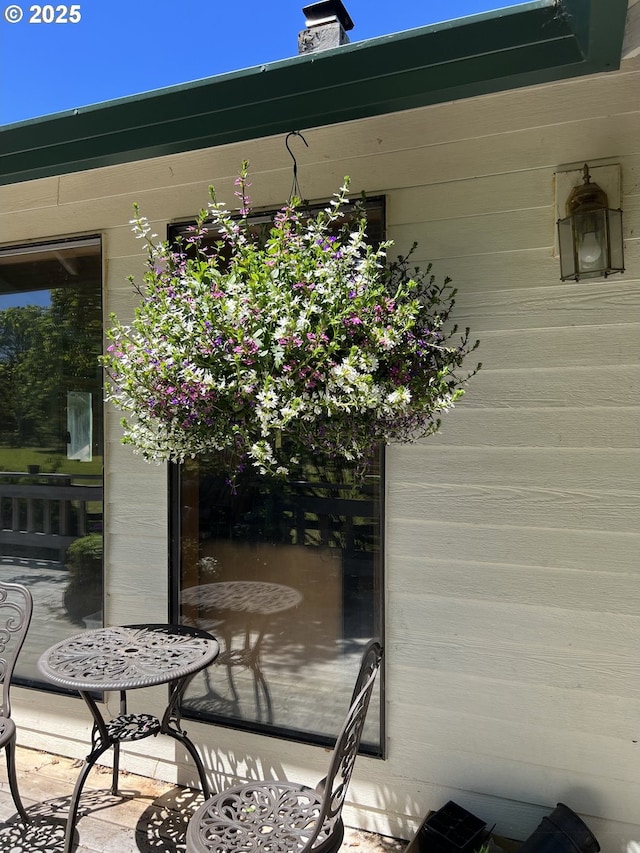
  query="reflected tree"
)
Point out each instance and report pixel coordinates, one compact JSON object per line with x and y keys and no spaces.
{"x":25,"y":384}
{"x":45,"y":352}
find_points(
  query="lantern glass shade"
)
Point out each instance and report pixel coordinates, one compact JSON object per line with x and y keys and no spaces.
{"x":591,"y":244}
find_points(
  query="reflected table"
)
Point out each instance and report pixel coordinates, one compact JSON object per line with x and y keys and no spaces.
{"x":244,"y":606}
{"x":121,"y":659}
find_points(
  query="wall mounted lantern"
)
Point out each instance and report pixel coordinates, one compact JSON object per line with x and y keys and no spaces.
{"x":590,"y":237}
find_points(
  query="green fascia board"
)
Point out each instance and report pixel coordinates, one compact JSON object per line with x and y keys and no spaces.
{"x":536,"y":42}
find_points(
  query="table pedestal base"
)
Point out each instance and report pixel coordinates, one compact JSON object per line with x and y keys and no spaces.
{"x":122,"y":729}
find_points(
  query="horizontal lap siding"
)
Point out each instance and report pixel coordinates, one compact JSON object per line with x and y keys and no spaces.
{"x":512,"y":579}
{"x":136,"y":506}
{"x":512,"y":537}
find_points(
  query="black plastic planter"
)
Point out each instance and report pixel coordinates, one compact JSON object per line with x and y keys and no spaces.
{"x":451,"y":829}
{"x":561,"y":832}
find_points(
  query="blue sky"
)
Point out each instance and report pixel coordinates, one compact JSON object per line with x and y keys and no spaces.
{"x":120,"y":47}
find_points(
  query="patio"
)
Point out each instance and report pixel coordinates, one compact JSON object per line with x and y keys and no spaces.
{"x":150,"y":816}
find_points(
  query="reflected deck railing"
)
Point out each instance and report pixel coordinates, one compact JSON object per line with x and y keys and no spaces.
{"x":48,"y":511}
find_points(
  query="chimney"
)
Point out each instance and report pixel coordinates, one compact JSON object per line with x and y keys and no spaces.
{"x":326,"y":26}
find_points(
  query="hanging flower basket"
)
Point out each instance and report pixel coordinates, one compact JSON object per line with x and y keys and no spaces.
{"x":267,"y":351}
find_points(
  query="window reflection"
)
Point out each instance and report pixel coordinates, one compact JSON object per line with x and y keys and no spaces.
{"x":287,"y":576}
{"x":51,"y":442}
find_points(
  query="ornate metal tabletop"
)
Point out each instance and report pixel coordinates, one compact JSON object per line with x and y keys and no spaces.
{"x":127,"y":657}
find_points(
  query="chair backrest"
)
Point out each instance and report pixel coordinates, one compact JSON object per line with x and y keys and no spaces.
{"x":16,"y":607}
{"x":334,"y":786}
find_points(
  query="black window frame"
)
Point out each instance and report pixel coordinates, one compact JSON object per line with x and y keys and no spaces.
{"x":377,"y":235}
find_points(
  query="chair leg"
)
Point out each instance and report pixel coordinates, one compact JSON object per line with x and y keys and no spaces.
{"x":116,"y":769}
{"x":10,"y":751}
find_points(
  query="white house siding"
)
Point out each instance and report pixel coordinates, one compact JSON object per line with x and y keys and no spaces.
{"x":512,"y":578}
{"x":512,"y":572}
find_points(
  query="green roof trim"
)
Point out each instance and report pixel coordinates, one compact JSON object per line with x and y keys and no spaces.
{"x":536,"y":42}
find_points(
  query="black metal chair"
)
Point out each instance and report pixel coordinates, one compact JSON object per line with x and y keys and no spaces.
{"x":269,"y":816}
{"x":16,"y":607}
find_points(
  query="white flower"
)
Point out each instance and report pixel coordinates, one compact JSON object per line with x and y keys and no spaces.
{"x":268,"y":399}
{"x":400,"y":397}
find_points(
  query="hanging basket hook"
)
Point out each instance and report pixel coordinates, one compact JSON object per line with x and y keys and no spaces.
{"x":296,"y":192}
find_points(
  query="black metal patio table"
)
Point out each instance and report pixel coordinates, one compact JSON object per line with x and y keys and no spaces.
{"x":126,"y":658}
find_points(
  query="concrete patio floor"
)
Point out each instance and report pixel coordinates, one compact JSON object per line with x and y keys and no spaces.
{"x":148,"y":816}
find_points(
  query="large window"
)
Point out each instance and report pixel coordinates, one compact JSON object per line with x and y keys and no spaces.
{"x":288,"y":576}
{"x":51,"y":437}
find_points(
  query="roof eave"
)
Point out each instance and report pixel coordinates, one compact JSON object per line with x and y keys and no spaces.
{"x":536,"y":42}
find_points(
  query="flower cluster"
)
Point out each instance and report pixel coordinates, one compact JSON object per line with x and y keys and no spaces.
{"x":266,"y":350}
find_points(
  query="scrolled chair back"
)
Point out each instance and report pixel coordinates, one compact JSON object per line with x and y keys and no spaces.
{"x":336,"y":783}
{"x":16,"y":608}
